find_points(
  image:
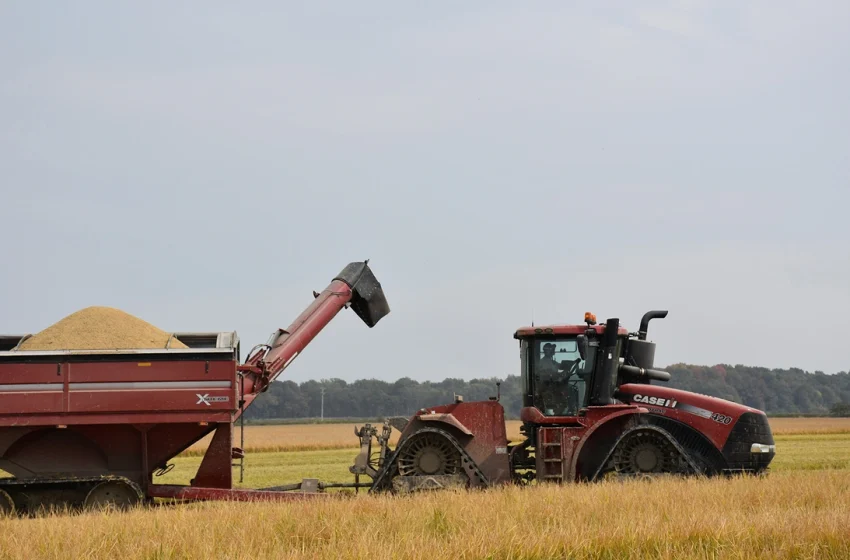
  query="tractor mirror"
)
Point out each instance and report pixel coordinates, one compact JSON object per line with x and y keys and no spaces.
{"x":581,"y":342}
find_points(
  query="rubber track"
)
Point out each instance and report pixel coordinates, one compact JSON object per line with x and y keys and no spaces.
{"x":471,"y":468}
{"x":653,"y":428}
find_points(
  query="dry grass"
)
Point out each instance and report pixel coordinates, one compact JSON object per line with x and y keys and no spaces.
{"x":800,"y":510}
{"x":292,"y":437}
{"x":817,"y":452}
{"x":786,"y":515}
{"x":307,"y":437}
{"x":315,"y":437}
{"x":789,"y":426}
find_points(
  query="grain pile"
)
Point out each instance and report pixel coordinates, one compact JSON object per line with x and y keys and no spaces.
{"x":100,"y":328}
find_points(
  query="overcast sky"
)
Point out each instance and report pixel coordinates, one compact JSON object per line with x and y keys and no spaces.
{"x":204,"y":166}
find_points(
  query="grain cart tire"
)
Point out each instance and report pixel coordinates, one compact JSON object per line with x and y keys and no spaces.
{"x":113,"y":494}
{"x":7,"y":505}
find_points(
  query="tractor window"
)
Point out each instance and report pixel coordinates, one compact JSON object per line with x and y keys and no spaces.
{"x":559,"y":377}
{"x":524,"y":373}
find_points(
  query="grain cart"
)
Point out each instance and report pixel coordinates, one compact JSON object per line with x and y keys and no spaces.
{"x":589,"y":411}
{"x":92,"y":428}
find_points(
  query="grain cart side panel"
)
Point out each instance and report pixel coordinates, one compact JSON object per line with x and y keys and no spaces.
{"x":162,"y":399}
{"x":153,"y":370}
{"x":30,"y":388}
{"x":97,"y":419}
{"x":20,"y":376}
{"x":160,"y":386}
{"x":30,"y":403}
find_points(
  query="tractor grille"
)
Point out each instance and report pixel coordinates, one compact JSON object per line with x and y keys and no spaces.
{"x":749,"y":429}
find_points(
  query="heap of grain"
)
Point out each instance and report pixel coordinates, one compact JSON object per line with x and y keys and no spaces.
{"x":100,"y":328}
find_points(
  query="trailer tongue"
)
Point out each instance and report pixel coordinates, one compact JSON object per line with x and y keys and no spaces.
{"x":91,"y":428}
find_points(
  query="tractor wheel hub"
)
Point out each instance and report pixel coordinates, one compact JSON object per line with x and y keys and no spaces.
{"x":646,"y":459}
{"x":430,"y":462}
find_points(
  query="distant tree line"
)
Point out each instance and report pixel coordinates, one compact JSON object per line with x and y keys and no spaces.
{"x":370,"y":398}
{"x":776,"y":391}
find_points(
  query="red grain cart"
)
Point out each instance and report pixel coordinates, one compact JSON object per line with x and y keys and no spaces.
{"x":89,"y":428}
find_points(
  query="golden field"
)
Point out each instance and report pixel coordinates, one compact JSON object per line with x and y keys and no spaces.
{"x":292,"y":437}
{"x":787,"y":426}
{"x":786,"y":515}
{"x":314,"y":437}
{"x":800,"y":510}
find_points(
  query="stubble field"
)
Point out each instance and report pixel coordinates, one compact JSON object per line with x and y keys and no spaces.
{"x":800,"y":510}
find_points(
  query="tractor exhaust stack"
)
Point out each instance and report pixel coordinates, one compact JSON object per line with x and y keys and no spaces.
{"x":644,"y":322}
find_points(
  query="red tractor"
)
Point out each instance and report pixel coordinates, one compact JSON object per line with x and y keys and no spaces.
{"x":589,"y":411}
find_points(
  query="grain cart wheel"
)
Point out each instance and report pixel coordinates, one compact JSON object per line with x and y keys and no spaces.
{"x":113,"y":494}
{"x":646,"y":452}
{"x":7,"y":505}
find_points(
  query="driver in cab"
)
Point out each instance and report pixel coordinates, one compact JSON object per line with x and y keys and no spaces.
{"x":553,"y":377}
{"x":551,"y":383}
{"x":548,"y":367}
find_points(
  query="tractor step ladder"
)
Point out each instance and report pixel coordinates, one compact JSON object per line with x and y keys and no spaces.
{"x":550,"y":447}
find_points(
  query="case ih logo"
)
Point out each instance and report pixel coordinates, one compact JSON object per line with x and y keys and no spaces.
{"x":207,"y":399}
{"x":657,"y":401}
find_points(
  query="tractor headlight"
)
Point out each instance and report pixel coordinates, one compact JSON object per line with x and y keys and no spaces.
{"x":762,"y":448}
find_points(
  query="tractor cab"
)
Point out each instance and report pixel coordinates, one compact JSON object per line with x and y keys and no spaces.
{"x":566,"y":368}
{"x":558,"y":375}
{"x":558,"y":363}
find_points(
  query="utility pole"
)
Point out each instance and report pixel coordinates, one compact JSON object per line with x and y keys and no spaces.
{"x":323,"y":403}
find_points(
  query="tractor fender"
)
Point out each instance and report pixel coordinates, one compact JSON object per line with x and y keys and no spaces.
{"x":647,"y":427}
{"x":446,"y":418}
{"x":442,"y":422}
{"x":616,"y":421}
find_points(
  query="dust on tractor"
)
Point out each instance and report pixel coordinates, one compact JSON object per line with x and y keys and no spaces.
{"x":590,"y":411}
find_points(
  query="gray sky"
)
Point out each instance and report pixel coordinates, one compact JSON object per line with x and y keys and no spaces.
{"x":204,"y":166}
